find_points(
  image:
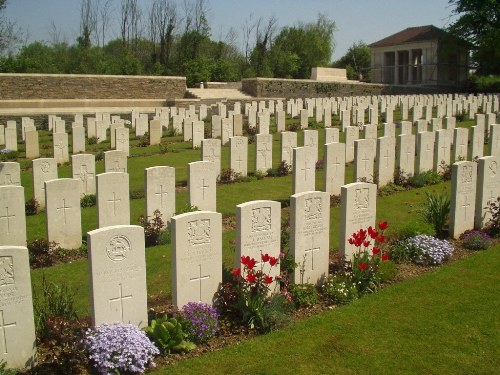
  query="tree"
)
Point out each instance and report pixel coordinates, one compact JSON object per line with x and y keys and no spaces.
{"x":9,"y":36}
{"x":356,"y":61}
{"x":479,"y":23}
{"x":88,"y":23}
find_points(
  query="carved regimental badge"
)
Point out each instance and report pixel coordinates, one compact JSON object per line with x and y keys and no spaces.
{"x":118,"y":248}
{"x":313,"y":208}
{"x":361,"y":199}
{"x":467,"y":174}
{"x":6,"y":271}
{"x":198,"y":232}
{"x":261,"y":219}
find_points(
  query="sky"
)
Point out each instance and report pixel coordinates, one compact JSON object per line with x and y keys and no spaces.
{"x":356,"y":20}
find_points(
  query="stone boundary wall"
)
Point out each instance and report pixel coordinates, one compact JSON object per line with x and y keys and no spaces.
{"x":79,"y":86}
{"x":306,"y":88}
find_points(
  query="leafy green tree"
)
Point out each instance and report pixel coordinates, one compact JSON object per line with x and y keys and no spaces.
{"x":356,"y":61}
{"x":298,"y":49}
{"x":478,"y":22}
{"x":9,"y":36}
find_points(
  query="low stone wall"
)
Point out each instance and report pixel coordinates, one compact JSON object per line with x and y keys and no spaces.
{"x":302,"y":88}
{"x":78,"y":86}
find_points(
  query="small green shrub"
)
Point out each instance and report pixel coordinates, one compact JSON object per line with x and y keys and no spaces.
{"x":136,"y":194}
{"x":303,"y":295}
{"x":92,"y":140}
{"x":99,"y":156}
{"x":168,"y":335}
{"x":339,"y":290}
{"x":88,"y":200}
{"x":143,"y":140}
{"x":152,"y":228}
{"x":435,"y":211}
{"x":52,"y":301}
{"x":412,"y":228}
{"x":228,"y":176}
{"x":283,"y":170}
{"x":7,"y":154}
{"x":425,"y":178}
{"x":276,"y":313}
{"x":31,"y":207}
{"x":493,"y":225}
{"x":187,"y":208}
{"x":40,"y":252}
{"x":388,"y":271}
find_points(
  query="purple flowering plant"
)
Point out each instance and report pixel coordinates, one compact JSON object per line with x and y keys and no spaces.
{"x":475,"y":240}
{"x":200,"y":321}
{"x":116,"y":348}
{"x":428,"y":249}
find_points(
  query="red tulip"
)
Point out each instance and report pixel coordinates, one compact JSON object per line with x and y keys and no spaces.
{"x":383,"y":225}
{"x":362,"y":266}
{"x":251,"y":263}
{"x":251,"y":278}
{"x":268,"y":279}
{"x":385,"y":256}
{"x":265,"y":258}
{"x":375,"y":250}
{"x":245,"y":259}
{"x":236,"y":272}
{"x":380,"y":238}
{"x":366,"y":243}
{"x":273,"y":261}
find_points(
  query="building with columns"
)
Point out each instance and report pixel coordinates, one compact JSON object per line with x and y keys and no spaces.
{"x":424,"y":55}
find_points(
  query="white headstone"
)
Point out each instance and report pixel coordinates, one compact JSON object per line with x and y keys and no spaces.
{"x":311,"y":142}
{"x":155,"y":132}
{"x":117,"y":265}
{"x":61,"y":153}
{"x":197,"y":257}
{"x":12,"y":216}
{"x":365,"y":151}
{"x":358,"y":211}
{"x":113,"y":202}
{"x":442,"y":150}
{"x":460,"y":144}
{"x":122,"y":140}
{"x":11,"y":139}
{"x":386,"y":159}
{"x":351,"y":134}
{"x":463,"y":197}
{"x":115,"y":161}
{"x":488,"y":189}
{"x":425,"y":154}
{"x":32,"y":145}
{"x":310,"y":236}
{"x":44,"y":169}
{"x":18,"y":343}
{"x":160,"y":191}
{"x":83,"y":167}
{"x":263,"y":152}
{"x":334,"y":167}
{"x":238,"y":155}
{"x":406,"y":154}
{"x":332,"y":135}
{"x":202,"y":189}
{"x":78,"y":134}
{"x":288,"y":143}
{"x":211,"y":151}
{"x":10,"y":173}
{"x":63,"y":213}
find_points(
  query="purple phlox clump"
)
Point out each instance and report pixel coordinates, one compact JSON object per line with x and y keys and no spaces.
{"x":5,"y":151}
{"x":431,"y":250}
{"x":201,"y":321}
{"x":119,"y":347}
{"x":476,"y":240}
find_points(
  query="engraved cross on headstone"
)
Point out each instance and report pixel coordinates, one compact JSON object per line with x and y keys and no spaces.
{"x":114,"y":200}
{"x":311,"y":250}
{"x":408,"y":153}
{"x":203,"y":186}
{"x":366,"y":159}
{"x":120,"y":299}
{"x":3,"y":326}
{"x":264,"y":151}
{"x":8,"y":180}
{"x":60,"y":146}
{"x":7,"y":217}
{"x":85,"y":176}
{"x":464,"y":206}
{"x":337,"y":163}
{"x":161,"y":193}
{"x":64,"y":208}
{"x":199,"y":279}
{"x":306,"y":169}
{"x":387,"y":157}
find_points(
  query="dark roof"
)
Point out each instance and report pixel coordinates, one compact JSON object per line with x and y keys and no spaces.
{"x":411,"y":35}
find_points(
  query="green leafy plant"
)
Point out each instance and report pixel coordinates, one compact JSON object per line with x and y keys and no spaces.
{"x":168,"y":335}
{"x":143,"y":140}
{"x":228,"y":176}
{"x":475,"y":240}
{"x":88,"y":200}
{"x":276,"y":313}
{"x":304,"y":295}
{"x":31,"y":207}
{"x":187,"y":208}
{"x":283,"y":170}
{"x":425,"y":178}
{"x":4,"y":370}
{"x":92,"y":140}
{"x":339,"y":289}
{"x":493,"y":225}
{"x":435,"y":211}
{"x":152,"y":228}
{"x":53,"y":302}
{"x":137,"y":194}
{"x":40,"y":252}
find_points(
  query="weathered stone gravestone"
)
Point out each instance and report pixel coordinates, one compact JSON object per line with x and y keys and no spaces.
{"x":279,"y":118}
{"x":32,"y":145}
{"x":198,"y":133}
{"x":488,"y":189}
{"x":216,"y":126}
{"x":197,"y":257}
{"x":113,"y":202}
{"x":463,"y":197}
{"x":18,"y":343}
{"x":10,"y":173}
{"x":442,"y":150}
{"x":211,"y":151}
{"x":61,"y":153}
{"x":202,"y":188}
{"x":91,"y":129}
{"x":358,"y":202}
{"x":370,"y":131}
{"x":311,"y":142}
{"x":425,"y":153}
{"x":44,"y":169}
{"x":237,"y":124}
{"x":160,"y":191}
{"x":155,"y":131}
{"x":117,"y":265}
{"x":386,"y":159}
{"x":122,"y":140}
{"x":141,"y":125}
{"x":78,"y":136}
{"x":406,"y":154}
{"x":310,"y":235}
{"x":83,"y":166}
{"x":365,"y":151}
{"x":115,"y":161}
{"x":304,"y":170}
{"x":351,"y":134}
{"x":304,"y":118}
{"x":477,"y":144}
{"x":460,"y":144}
{"x":263,"y":152}
{"x":334,"y":167}
{"x":263,"y":122}
{"x":288,"y":143}
{"x":495,"y":140}
{"x":238,"y":155}
{"x":332,"y":135}
{"x":258,"y":228}
{"x":63,"y":213}
{"x":12,"y":216}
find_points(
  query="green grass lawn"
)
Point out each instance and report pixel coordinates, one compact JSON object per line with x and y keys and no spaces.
{"x":444,"y":322}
